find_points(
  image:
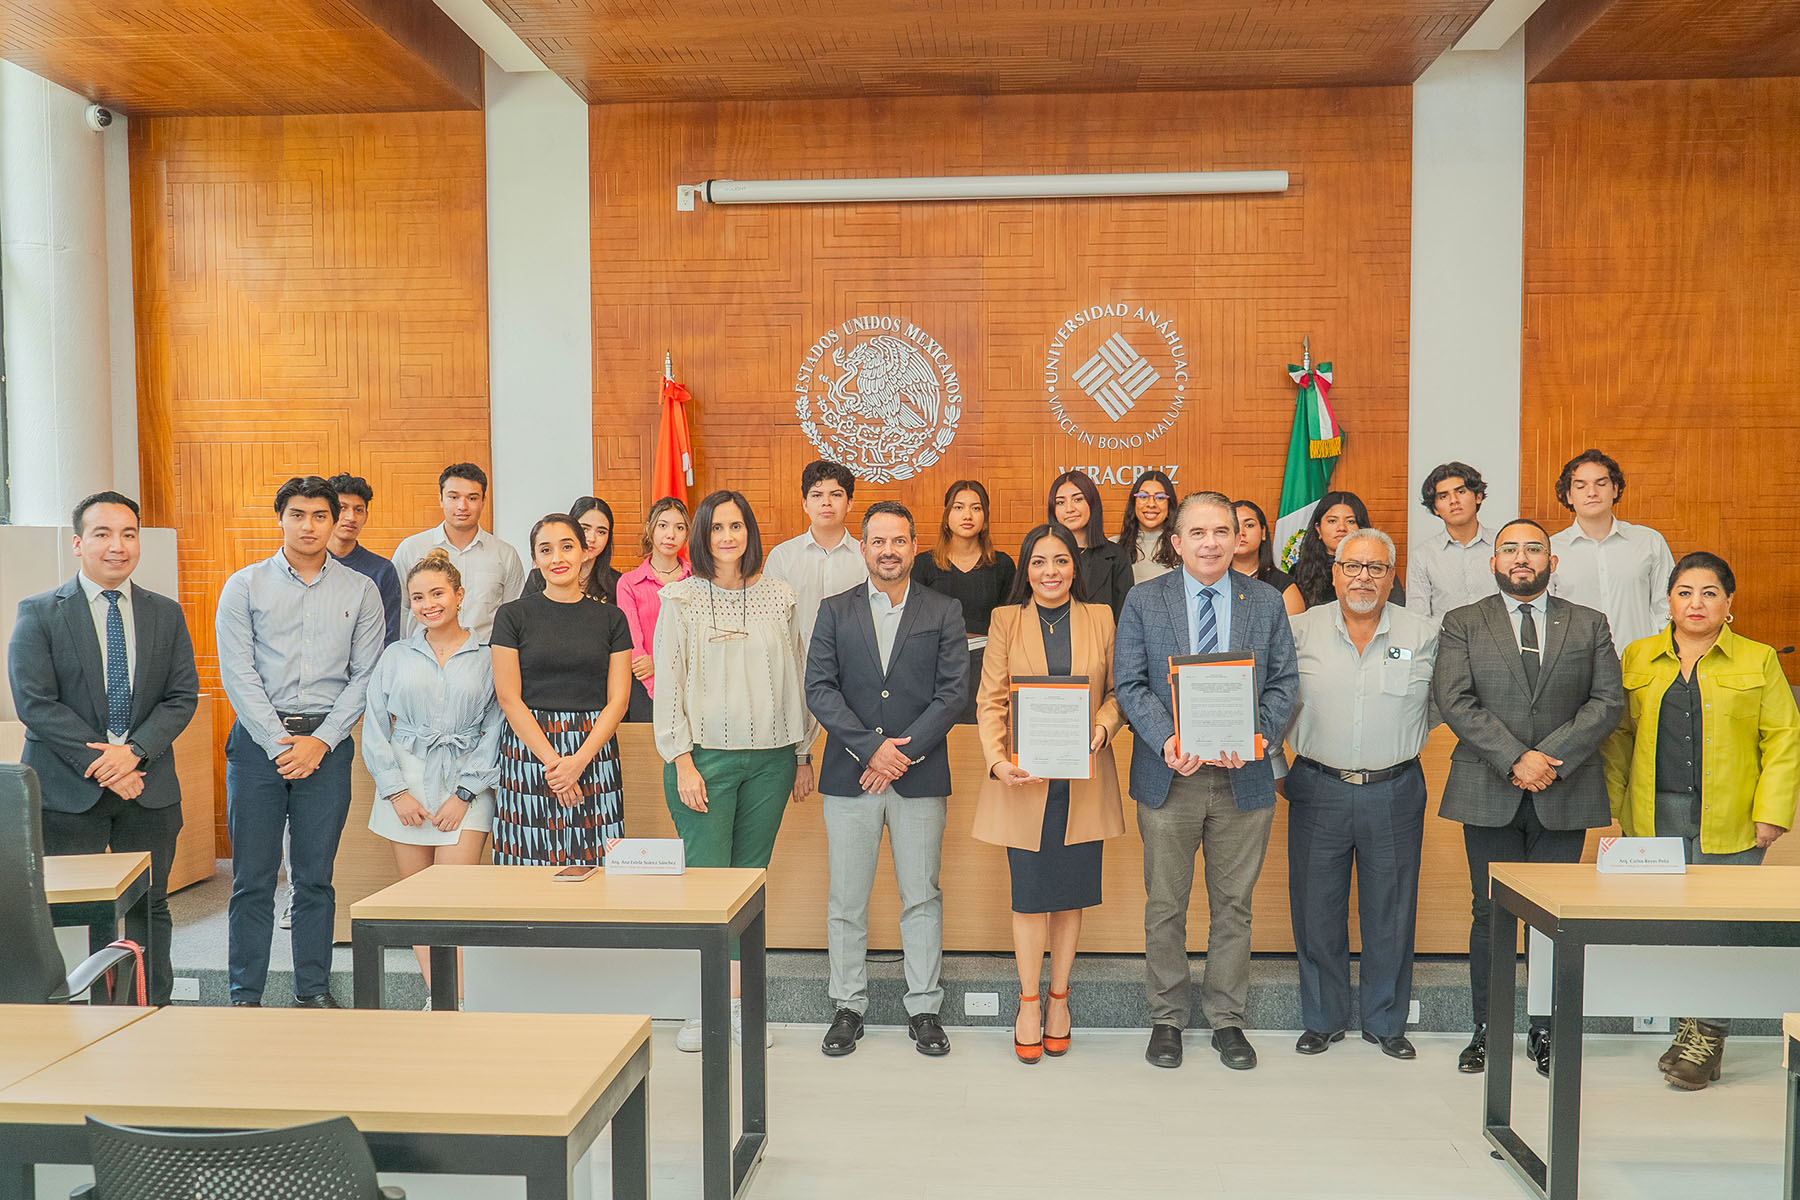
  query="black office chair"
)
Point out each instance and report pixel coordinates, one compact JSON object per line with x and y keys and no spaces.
{"x":31,"y":965}
{"x":325,"y":1161}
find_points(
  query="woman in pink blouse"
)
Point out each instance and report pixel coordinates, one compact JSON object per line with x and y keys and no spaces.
{"x":640,"y":593}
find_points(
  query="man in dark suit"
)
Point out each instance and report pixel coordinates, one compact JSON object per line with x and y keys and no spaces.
{"x":103,"y":678}
{"x":887,"y":676}
{"x":1189,"y":798}
{"x":1530,"y":684}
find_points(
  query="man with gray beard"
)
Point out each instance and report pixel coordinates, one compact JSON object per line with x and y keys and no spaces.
{"x":1356,"y":795}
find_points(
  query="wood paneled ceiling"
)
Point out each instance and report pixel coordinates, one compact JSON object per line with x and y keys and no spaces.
{"x":1570,"y":40}
{"x":220,"y":57}
{"x":637,"y":50}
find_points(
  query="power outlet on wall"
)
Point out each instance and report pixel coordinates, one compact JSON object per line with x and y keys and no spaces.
{"x":1650,"y":1024}
{"x":981,"y":1004}
{"x":1412,"y":1012}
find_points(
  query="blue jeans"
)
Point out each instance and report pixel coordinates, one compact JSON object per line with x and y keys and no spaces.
{"x":259,"y":804}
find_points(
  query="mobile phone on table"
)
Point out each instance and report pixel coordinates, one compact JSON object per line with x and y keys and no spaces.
{"x":574,"y":874}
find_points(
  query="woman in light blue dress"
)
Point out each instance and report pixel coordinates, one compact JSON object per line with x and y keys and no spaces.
{"x":431,"y":732}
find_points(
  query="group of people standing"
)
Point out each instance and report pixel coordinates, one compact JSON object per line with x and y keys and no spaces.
{"x":490,"y":701}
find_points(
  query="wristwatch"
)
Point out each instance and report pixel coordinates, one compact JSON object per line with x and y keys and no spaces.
{"x":465,"y":795}
{"x":139,"y":751}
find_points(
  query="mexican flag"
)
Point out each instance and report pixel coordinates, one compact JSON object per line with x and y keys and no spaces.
{"x":1313,"y":450}
{"x":672,"y":470}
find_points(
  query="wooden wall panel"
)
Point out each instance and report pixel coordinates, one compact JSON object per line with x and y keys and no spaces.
{"x":1568,"y":40}
{"x":311,"y":297}
{"x":1662,"y":315}
{"x":740,"y":294}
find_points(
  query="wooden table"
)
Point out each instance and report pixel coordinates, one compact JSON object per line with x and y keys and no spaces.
{"x":1576,"y":907}
{"x":98,"y":890}
{"x":452,"y":1093}
{"x":445,"y":907}
{"x":33,"y":1036}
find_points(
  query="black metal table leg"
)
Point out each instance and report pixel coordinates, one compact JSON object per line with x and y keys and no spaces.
{"x":366,"y":982}
{"x":715,"y":1065}
{"x":631,"y":1145}
{"x":1567,"y":987}
{"x":1790,"y":1175}
{"x":446,"y":978}
{"x":753,"y":953}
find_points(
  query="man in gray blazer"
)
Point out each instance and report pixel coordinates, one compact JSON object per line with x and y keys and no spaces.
{"x":1530,"y":685}
{"x":1186,"y":802}
{"x":103,"y":678}
{"x":887,"y":675}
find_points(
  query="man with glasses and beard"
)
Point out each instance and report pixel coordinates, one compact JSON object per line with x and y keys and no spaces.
{"x":1356,"y":794}
{"x":1530,"y":684}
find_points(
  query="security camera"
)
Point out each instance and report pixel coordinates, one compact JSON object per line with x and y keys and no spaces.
{"x":98,"y":117}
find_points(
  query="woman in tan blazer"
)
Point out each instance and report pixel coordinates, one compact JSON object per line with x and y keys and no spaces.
{"x":1052,"y":829}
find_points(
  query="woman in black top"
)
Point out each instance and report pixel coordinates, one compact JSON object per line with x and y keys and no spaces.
{"x":1255,"y":555}
{"x":598,"y":579}
{"x":1337,"y":514}
{"x":964,"y":564}
{"x":1105,"y":569}
{"x":562,"y":673}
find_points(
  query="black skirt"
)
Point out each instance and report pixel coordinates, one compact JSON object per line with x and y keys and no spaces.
{"x":1055,"y":877}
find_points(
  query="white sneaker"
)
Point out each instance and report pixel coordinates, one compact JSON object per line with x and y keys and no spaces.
{"x":427,"y":1007}
{"x":737,"y":1025}
{"x":287,"y":914}
{"x":688,"y":1039}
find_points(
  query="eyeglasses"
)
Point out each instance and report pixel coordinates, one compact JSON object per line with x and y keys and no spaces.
{"x":1372,"y":570}
{"x":1163,"y":496}
{"x":1531,"y":548}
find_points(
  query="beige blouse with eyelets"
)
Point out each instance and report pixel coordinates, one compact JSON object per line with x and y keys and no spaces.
{"x":740,"y":693}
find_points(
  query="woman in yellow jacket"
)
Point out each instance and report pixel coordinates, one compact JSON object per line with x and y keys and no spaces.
{"x":1052,"y":829}
{"x":1708,"y":751}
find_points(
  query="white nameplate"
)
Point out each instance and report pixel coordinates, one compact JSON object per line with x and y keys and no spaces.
{"x":645,"y":856}
{"x":1642,"y":856}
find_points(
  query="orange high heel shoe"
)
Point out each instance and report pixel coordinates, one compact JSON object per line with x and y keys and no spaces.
{"x":1030,"y":1053}
{"x":1056,"y":1047}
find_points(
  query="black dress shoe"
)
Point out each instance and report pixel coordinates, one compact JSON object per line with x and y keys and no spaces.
{"x":1235,"y":1050}
{"x":1473,"y":1059}
{"x":322,"y":1000}
{"x":1394,"y":1047}
{"x":1537,"y":1046}
{"x":1313,"y":1042}
{"x":1165,"y":1046}
{"x":846,"y":1030}
{"x":927,"y":1032}
{"x":246,"y":1004}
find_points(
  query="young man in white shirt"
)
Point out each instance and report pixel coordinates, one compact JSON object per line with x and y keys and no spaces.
{"x":1605,"y":563}
{"x":491,"y":571}
{"x":1452,"y":569}
{"x":825,"y":560}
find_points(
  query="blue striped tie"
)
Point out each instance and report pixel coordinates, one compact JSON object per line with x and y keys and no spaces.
{"x":118,"y":670}
{"x":1206,"y":623}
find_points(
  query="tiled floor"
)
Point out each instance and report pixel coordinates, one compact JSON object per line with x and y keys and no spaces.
{"x":1101,"y":1124}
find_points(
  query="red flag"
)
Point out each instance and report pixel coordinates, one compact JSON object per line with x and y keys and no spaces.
{"x":672,"y":472}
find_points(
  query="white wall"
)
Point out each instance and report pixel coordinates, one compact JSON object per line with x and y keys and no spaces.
{"x":121,"y":312}
{"x":1468,"y":273}
{"x":53,"y":254}
{"x":540,"y":299}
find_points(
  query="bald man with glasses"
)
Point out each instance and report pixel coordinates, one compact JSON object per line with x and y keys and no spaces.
{"x":1530,"y":684}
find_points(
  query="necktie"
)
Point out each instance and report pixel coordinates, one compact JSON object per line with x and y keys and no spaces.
{"x":1528,"y":647}
{"x":118,"y":670}
{"x":1206,"y":623}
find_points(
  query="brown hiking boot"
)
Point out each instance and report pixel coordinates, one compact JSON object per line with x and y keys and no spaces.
{"x":1684,"y":1030}
{"x":1700,"y":1060}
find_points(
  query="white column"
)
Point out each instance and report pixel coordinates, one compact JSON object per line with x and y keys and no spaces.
{"x":121,"y":308}
{"x":540,"y":299}
{"x":1468,"y":273}
{"x":53,"y":242}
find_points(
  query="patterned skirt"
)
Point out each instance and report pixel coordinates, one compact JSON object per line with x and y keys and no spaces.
{"x":531,"y":827}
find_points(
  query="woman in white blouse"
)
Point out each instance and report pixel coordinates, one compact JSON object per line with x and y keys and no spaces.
{"x":431,"y":732}
{"x":730,"y":720}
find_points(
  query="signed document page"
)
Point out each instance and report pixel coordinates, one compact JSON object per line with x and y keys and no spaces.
{"x":1215,"y":705}
{"x":1051,"y":727}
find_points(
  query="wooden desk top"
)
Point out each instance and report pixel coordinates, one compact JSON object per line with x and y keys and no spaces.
{"x":1576,"y":891}
{"x":79,"y":878}
{"x":703,"y":896}
{"x":32,"y":1036}
{"x":533,"y":1074}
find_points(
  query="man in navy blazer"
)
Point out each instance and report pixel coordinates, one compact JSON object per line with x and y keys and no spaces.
{"x":103,"y":678}
{"x":1185,"y":801}
{"x":887,"y":675}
